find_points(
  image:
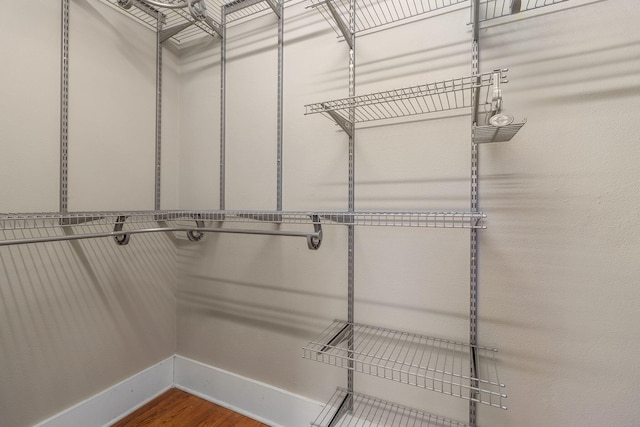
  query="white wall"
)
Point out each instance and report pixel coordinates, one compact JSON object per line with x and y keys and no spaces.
{"x":558,"y":260}
{"x":558,"y":293}
{"x":76,"y":318}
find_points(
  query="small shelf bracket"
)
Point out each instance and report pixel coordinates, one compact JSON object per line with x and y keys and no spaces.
{"x":344,"y":29}
{"x":274,"y":6}
{"x":315,"y":240}
{"x":344,"y":124}
{"x":196,"y":235}
{"x":121,"y":238}
{"x":167,"y":33}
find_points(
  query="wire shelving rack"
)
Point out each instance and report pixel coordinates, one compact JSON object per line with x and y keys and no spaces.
{"x":427,"y":98}
{"x":181,"y":25}
{"x":492,"y":9}
{"x":425,"y":362}
{"x":357,"y":409}
{"x":25,"y":228}
{"x":375,"y":14}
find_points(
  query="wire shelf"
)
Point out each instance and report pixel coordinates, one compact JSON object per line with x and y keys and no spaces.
{"x":428,"y":98}
{"x":23,"y":228}
{"x":492,"y":9}
{"x":406,"y":219}
{"x":356,"y":409}
{"x":235,"y":11}
{"x":30,"y":221}
{"x":239,"y":9}
{"x":372,"y":14}
{"x":486,"y":134}
{"x":425,"y":362}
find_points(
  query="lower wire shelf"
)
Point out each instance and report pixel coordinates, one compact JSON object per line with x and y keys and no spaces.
{"x":355,"y":409}
{"x":431,"y":363}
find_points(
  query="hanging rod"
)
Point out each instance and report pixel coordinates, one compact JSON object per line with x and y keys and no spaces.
{"x":314,"y":239}
{"x":101,"y":221}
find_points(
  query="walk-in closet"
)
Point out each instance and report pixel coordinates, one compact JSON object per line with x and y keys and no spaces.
{"x":328,"y":213}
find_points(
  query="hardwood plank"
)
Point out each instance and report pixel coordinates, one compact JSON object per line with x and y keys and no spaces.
{"x":178,"y":408}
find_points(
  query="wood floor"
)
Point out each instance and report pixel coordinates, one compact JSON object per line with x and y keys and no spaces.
{"x":180,"y":409}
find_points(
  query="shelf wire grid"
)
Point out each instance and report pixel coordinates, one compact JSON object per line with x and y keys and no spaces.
{"x":24,"y":221}
{"x":371,"y":14}
{"x":235,"y":11}
{"x":425,"y":362}
{"x":492,"y":9}
{"x":239,"y":9}
{"x":368,"y":411}
{"x":173,"y":18}
{"x":20,"y":228}
{"x":487,"y":134}
{"x":422,"y":99}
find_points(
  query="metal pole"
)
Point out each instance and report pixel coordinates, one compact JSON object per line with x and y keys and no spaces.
{"x":351,"y":229}
{"x":280,"y":101}
{"x":473,"y":258}
{"x":158,"y":165}
{"x":64,"y":109}
{"x":223,"y":103}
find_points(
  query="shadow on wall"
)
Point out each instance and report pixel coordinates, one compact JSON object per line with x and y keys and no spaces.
{"x":67,"y":308}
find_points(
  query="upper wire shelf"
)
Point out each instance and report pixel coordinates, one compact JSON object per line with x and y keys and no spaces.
{"x":492,"y":9}
{"x":34,"y":221}
{"x":372,"y":14}
{"x":181,"y":26}
{"x":19,"y":229}
{"x":431,"y":363}
{"x":356,"y":409}
{"x":422,"y":99}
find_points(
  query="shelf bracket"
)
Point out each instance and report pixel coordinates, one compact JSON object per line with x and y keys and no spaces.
{"x":344,"y":29}
{"x":342,"y":409}
{"x":274,"y":6}
{"x":341,"y":121}
{"x":214,"y":26}
{"x":196,"y":235}
{"x":166,"y":34}
{"x":340,"y":337}
{"x":120,"y":238}
{"x":315,"y":240}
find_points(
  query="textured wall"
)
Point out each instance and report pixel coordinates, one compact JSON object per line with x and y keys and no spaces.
{"x":76,"y":318}
{"x":558,"y":261}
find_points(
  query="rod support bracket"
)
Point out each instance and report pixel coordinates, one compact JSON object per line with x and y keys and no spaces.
{"x":196,"y":235}
{"x":121,"y":239}
{"x":315,"y":240}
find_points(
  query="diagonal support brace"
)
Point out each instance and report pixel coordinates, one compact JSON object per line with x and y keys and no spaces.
{"x":275,"y":7}
{"x":341,"y":121}
{"x":315,"y":240}
{"x":344,"y":29}
{"x":166,"y":34}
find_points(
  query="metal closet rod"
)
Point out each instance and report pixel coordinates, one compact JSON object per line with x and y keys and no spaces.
{"x":314,"y":239}
{"x":122,"y":236}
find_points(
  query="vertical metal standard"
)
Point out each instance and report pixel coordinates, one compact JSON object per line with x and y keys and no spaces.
{"x":158,"y":164}
{"x":64,"y":109}
{"x":223,"y":102}
{"x":352,"y":157}
{"x":280,"y":101}
{"x":473,"y":260}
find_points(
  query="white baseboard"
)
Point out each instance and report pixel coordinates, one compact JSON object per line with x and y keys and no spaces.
{"x":117,"y":401}
{"x":260,"y":401}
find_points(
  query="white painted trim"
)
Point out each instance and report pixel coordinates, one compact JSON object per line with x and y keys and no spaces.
{"x":260,"y":401}
{"x":117,"y":401}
